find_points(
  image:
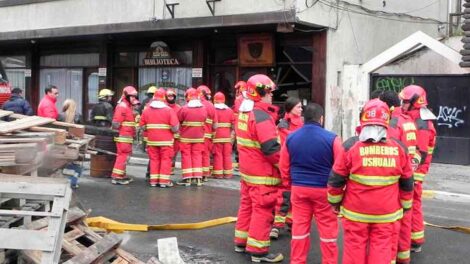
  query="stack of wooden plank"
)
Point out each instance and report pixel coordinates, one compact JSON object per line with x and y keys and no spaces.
{"x":28,"y":142}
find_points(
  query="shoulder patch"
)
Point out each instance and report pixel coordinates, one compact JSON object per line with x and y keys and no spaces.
{"x":283,"y":124}
{"x":402,"y":145}
{"x":422,"y":124}
{"x":350,"y":142}
{"x":393,"y":122}
{"x":260,"y":116}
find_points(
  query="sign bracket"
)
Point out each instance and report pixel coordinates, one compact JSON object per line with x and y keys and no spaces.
{"x":211,"y":5}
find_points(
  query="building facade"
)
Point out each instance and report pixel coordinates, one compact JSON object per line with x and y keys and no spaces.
{"x":84,"y":45}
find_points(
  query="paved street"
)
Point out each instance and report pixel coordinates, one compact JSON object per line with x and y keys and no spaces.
{"x":138,"y":203}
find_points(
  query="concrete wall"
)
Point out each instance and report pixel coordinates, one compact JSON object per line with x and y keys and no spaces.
{"x":356,"y":38}
{"x":426,"y":61}
{"x":69,"y":13}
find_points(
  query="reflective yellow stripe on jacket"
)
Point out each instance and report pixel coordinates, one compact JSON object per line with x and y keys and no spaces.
{"x":248,"y":143}
{"x":335,"y":198}
{"x":221,"y":140}
{"x":260,"y":180}
{"x":128,"y":124}
{"x":367,"y":218}
{"x":209,"y":121}
{"x":374,"y":180}
{"x":418,"y":176}
{"x":224,"y":125}
{"x":100,"y":118}
{"x":124,"y":140}
{"x":192,"y":124}
{"x":157,"y":126}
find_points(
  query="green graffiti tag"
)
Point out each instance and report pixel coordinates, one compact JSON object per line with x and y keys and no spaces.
{"x":392,"y":83}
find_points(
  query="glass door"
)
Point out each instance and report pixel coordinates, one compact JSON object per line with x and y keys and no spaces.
{"x":90,"y":91}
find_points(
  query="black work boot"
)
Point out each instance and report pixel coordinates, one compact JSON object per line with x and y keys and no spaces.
{"x":269,"y":257}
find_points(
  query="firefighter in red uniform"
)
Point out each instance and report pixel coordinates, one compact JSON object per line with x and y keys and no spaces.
{"x":403,"y":128}
{"x":192,"y":118}
{"x":222,"y":138}
{"x":171,"y":101}
{"x":240,"y":89}
{"x":259,"y":156}
{"x":372,"y":184}
{"x":160,"y":122}
{"x":124,"y":121}
{"x":211,"y":125}
{"x":414,"y":104}
{"x":291,"y":122}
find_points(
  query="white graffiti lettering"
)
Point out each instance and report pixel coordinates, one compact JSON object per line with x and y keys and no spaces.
{"x":450,"y":116}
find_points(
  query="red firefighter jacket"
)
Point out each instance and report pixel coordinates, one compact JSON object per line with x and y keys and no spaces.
{"x":372,"y":181}
{"x":158,"y":122}
{"x":176,"y":108}
{"x":225,"y":122}
{"x":258,"y":146}
{"x":124,"y":119}
{"x":211,"y":121}
{"x":403,"y":128}
{"x":192,"y":121}
{"x":288,"y":124}
{"x":426,"y":136}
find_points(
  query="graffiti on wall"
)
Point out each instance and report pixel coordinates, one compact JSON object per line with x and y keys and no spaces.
{"x":393,"y":83}
{"x":451,"y":117}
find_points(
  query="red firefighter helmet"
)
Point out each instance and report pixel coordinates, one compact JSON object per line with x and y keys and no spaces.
{"x":415,"y":95}
{"x":204,"y":91}
{"x":240,"y":86}
{"x":219,"y":97}
{"x":191,"y":94}
{"x":159,"y":95}
{"x":129,"y":90}
{"x":375,"y":112}
{"x":258,"y":85}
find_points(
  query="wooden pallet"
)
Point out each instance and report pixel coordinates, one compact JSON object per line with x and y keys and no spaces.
{"x":55,"y":191}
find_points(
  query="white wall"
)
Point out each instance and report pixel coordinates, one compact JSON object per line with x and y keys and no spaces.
{"x":69,"y":13}
{"x":355,"y":38}
{"x":426,"y":61}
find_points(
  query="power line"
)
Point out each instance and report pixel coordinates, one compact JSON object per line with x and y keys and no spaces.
{"x":381,"y":14}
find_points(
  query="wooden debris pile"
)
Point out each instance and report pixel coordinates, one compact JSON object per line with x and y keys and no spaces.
{"x":30,"y":142}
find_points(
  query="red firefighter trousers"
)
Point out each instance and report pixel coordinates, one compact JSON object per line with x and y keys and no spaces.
{"x":191,"y":159}
{"x":255,"y":216}
{"x":124,"y":150}
{"x":417,"y":224}
{"x":367,"y":243}
{"x":281,"y":217}
{"x":222,"y":160}
{"x":306,"y":203}
{"x":402,"y":253}
{"x":206,"y":157}
{"x":160,"y":164}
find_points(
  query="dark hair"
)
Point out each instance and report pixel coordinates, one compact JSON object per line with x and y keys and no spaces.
{"x":290,"y":103}
{"x":16,"y":90}
{"x":313,"y":112}
{"x":390,"y":98}
{"x":375,"y":94}
{"x":49,"y":88}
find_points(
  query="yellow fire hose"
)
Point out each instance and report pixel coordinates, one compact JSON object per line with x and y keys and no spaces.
{"x":118,"y":227}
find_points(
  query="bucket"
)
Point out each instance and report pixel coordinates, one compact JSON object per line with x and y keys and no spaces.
{"x":101,"y":166}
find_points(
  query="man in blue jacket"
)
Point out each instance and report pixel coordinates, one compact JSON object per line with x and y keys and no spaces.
{"x":17,"y":103}
{"x":305,"y":164}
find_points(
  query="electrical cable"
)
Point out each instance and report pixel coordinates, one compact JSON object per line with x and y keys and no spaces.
{"x":314,"y":3}
{"x":381,"y":14}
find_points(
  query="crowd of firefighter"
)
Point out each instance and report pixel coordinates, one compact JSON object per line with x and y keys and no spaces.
{"x":292,"y":170}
